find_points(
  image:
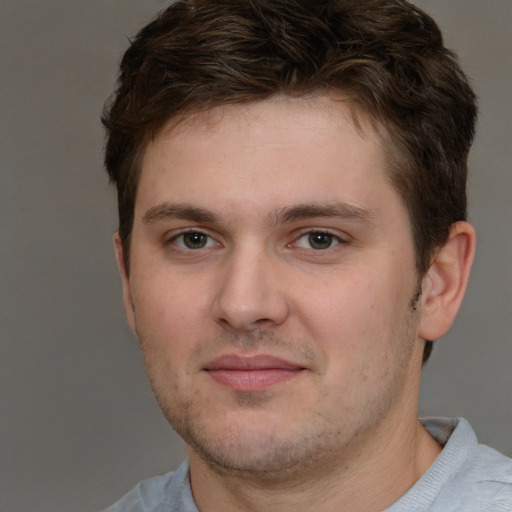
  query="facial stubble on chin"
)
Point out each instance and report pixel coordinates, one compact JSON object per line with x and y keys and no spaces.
{"x":226,"y":454}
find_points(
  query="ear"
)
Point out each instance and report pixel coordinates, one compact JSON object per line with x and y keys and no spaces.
{"x":127,"y":294}
{"x":445,"y":282}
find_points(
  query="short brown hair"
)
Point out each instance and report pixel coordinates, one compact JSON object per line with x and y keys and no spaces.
{"x":386,"y":56}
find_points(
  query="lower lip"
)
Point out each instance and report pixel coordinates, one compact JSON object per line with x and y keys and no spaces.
{"x":252,"y":380}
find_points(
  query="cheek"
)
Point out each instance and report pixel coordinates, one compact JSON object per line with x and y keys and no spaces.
{"x":168,"y":302}
{"x":169,"y":321}
{"x":356,"y":315}
{"x":345,"y":303}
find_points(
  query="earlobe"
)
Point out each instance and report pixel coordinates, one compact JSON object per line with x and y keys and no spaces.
{"x":127,"y":295}
{"x":445,"y":282}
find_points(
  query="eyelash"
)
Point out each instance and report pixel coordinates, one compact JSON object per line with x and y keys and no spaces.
{"x":173,"y":240}
{"x":334,"y":240}
{"x":209,"y":241}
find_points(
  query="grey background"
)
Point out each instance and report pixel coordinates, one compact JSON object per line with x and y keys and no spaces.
{"x":78,"y":425}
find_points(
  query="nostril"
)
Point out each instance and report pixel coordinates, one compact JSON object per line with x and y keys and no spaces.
{"x":247,"y":326}
{"x":263,"y":321}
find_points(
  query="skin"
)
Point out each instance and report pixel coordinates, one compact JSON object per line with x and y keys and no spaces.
{"x":272,"y":230}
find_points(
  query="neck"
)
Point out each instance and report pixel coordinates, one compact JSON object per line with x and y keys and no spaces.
{"x":370,"y":478}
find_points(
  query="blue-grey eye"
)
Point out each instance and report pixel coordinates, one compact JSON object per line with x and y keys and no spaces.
{"x":317,"y":240}
{"x":194,"y":240}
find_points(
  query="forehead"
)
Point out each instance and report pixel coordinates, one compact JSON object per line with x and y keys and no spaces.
{"x":265,"y":151}
{"x":324,"y":112}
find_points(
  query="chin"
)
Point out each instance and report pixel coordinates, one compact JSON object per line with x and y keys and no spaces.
{"x":254,"y":448}
{"x":261,"y":457}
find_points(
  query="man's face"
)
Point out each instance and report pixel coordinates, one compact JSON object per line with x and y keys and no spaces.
{"x":273,"y":285}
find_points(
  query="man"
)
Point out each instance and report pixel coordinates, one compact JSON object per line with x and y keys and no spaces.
{"x":291,"y":184}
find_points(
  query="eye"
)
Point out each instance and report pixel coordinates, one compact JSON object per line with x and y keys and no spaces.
{"x":193,"y":240}
{"x":317,"y":240}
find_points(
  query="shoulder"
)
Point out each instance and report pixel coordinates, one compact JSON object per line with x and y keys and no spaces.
{"x":466,"y":476}
{"x":492,"y":479}
{"x":147,"y":496}
{"x":162,"y":493}
{"x":476,"y":475}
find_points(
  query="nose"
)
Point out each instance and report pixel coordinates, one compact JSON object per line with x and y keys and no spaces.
{"x":250,"y":293}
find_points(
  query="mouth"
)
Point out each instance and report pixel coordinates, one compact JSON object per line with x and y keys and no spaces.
{"x":253,"y":373}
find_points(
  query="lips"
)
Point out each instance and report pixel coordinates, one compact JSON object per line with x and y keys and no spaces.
{"x":251,"y":374}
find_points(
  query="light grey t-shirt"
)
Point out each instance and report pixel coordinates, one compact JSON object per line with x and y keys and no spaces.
{"x":466,"y":477}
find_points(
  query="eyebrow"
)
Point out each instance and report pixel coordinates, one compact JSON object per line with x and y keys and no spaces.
{"x":328,"y":210}
{"x":178,"y":211}
{"x":284,"y":215}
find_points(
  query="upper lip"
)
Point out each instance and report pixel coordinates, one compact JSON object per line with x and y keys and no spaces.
{"x":251,"y":363}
